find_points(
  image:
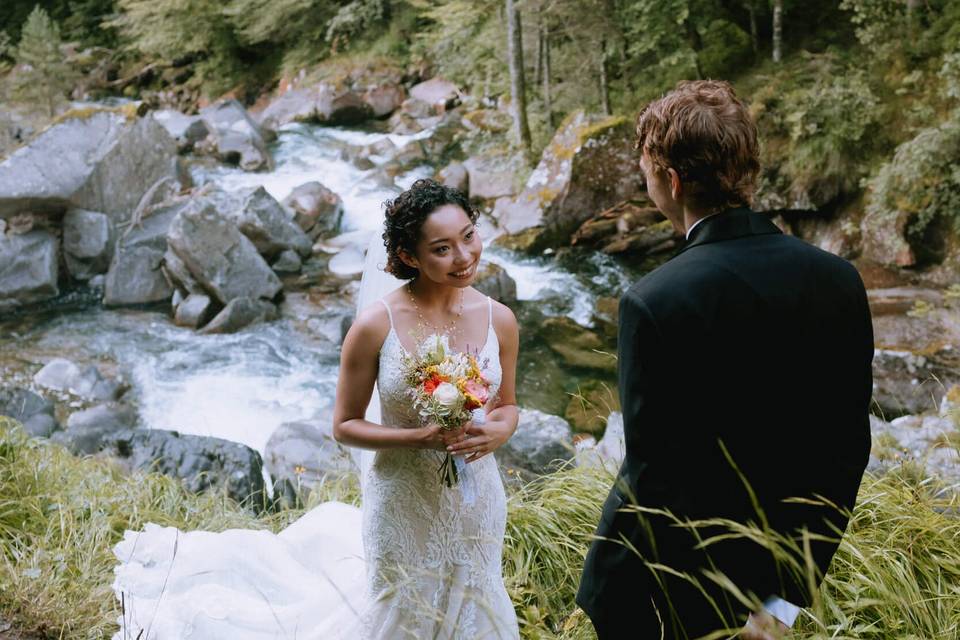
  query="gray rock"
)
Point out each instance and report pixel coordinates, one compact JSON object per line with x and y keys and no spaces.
{"x":441,"y":95}
{"x":178,"y":275}
{"x":87,"y":243}
{"x":322,"y":104}
{"x":186,"y":130}
{"x":384,"y":99}
{"x":28,"y":268}
{"x":909,"y":383}
{"x":268,"y":225}
{"x":455,"y":176}
{"x":239,"y":313}
{"x":494,"y":281}
{"x":64,"y":375}
{"x":40,"y":425}
{"x":490,"y":178}
{"x":88,"y":429}
{"x":202,"y":462}
{"x":287,"y":262}
{"x":332,"y":323}
{"x":235,"y":137}
{"x":306,"y":453}
{"x":135,"y":275}
{"x":219,"y":256}
{"x":540,"y":443}
{"x":317,"y":209}
{"x":33,"y":411}
{"x":193,"y":311}
{"x":922,"y":440}
{"x":101,"y":161}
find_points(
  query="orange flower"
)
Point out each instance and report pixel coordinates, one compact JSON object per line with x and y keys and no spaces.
{"x":430,"y":384}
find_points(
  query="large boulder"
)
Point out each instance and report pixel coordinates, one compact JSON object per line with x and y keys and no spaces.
{"x":268,"y":225}
{"x":317,"y":209}
{"x":306,"y":453}
{"x":88,"y":430}
{"x":540,"y":444}
{"x":202,"y":462}
{"x":589,"y":166}
{"x":235,"y":137}
{"x":96,"y":159}
{"x":87,"y":243}
{"x":321,"y":104}
{"x":135,"y":275}
{"x":28,"y":268}
{"x":219,"y":256}
{"x":455,"y":176}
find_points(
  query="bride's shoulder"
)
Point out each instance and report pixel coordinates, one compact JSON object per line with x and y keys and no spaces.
{"x":371,"y":324}
{"x":504,"y":321}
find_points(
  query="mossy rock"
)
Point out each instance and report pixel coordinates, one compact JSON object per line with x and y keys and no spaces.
{"x":589,"y":407}
{"x":577,"y":346}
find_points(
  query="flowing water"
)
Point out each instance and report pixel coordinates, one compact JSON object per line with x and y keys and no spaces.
{"x":242,"y":386}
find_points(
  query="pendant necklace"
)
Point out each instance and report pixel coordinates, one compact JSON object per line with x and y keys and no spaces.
{"x":443,"y":329}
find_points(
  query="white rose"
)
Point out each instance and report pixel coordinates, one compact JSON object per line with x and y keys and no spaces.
{"x":447,"y":394}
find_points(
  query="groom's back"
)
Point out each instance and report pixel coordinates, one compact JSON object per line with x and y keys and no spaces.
{"x":762,"y":360}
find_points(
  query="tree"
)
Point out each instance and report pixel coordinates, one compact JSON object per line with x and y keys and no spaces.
{"x":43,"y":76}
{"x":777,"y":30}
{"x":517,"y":83}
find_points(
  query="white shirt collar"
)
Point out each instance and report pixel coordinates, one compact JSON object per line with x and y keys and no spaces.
{"x":694,"y":225}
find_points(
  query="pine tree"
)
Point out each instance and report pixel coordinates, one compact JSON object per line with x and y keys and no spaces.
{"x":44,"y":77}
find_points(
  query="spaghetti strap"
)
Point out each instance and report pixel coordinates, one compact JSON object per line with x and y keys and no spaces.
{"x":490,"y":307}
{"x":389,"y":313}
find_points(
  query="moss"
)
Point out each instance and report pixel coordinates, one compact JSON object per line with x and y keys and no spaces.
{"x":128,"y":111}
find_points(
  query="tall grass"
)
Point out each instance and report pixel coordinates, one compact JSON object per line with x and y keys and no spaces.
{"x":896,"y":574}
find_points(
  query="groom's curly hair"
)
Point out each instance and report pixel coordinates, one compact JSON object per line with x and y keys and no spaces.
{"x":705,"y":133}
{"x":406,"y":214}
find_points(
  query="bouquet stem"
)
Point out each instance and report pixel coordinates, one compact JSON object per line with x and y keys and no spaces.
{"x":449,"y":475}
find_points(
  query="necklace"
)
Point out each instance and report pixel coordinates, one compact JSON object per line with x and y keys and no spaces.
{"x":449,"y":328}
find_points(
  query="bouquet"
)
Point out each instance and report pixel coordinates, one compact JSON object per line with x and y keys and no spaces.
{"x":446,"y":387}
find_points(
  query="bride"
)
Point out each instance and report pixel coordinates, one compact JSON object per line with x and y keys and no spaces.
{"x":430,"y":561}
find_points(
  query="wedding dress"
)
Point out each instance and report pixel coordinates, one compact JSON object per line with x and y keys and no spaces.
{"x":418,"y":561}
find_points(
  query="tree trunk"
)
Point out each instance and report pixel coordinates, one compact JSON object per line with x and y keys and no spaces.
{"x":517,"y":83}
{"x":754,"y":39}
{"x":547,"y":98}
{"x":538,"y":75}
{"x":777,"y":30}
{"x":604,"y":80}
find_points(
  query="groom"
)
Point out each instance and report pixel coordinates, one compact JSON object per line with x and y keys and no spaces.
{"x":744,"y":360}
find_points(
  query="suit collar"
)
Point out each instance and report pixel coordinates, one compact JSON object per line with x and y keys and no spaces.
{"x":729,"y":225}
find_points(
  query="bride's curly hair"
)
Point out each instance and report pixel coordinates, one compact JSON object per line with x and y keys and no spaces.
{"x":404,"y":219}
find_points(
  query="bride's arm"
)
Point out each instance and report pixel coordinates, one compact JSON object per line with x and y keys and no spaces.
{"x":502,"y":419}
{"x":359,"y":362}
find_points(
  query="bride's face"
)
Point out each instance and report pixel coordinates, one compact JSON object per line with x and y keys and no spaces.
{"x":449,"y":248}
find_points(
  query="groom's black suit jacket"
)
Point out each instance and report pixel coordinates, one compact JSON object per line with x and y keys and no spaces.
{"x":755,"y":339}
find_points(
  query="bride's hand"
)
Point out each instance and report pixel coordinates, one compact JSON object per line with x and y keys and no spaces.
{"x":433,"y":436}
{"x":481,"y":439}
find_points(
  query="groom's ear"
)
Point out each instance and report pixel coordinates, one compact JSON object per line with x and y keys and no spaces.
{"x":676,"y":186}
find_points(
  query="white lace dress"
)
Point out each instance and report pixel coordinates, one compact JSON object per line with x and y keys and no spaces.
{"x":433,"y":561}
{"x":415,"y":563}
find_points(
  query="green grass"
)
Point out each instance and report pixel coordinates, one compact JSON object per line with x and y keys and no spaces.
{"x":896,"y":574}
